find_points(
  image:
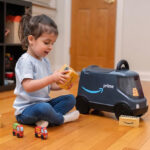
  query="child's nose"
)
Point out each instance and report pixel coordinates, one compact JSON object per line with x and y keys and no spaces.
{"x":50,"y":46}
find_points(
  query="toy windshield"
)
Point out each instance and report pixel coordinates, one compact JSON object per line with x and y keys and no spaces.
{"x":130,"y":86}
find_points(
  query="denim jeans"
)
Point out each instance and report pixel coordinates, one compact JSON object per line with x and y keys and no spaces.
{"x":51,"y":111}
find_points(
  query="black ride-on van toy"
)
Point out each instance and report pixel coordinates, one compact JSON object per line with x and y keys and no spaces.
{"x":117,"y":91}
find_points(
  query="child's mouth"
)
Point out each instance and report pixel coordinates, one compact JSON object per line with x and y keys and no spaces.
{"x":46,"y":53}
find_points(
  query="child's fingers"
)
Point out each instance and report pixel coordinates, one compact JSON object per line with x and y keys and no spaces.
{"x":65,"y":76}
{"x":65,"y":71}
{"x":62,"y":81}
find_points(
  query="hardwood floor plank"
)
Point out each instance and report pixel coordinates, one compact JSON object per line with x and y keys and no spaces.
{"x":90,"y":132}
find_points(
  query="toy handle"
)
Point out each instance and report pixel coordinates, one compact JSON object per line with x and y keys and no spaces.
{"x":122,"y":65}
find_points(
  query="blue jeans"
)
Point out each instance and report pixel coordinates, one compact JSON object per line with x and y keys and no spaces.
{"x":51,"y":111}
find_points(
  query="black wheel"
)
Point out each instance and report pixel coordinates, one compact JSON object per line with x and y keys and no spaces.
{"x":18,"y":135}
{"x":14,"y":133}
{"x":42,"y":137}
{"x":82,"y":105}
{"x":140,"y":115}
{"x":36,"y":135}
{"x":122,"y":109}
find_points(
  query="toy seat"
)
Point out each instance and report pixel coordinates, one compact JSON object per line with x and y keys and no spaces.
{"x":97,"y":69}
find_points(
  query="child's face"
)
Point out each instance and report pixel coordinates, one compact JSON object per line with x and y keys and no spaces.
{"x":41,"y":46}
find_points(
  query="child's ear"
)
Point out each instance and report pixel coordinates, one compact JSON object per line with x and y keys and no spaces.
{"x":31,"y":39}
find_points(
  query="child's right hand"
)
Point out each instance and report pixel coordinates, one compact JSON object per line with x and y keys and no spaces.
{"x":60,"y":77}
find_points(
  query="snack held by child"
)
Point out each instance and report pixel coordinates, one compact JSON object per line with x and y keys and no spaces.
{"x":35,"y":80}
{"x":72,"y":77}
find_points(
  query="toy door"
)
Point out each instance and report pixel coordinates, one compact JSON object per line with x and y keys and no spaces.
{"x":93,"y":33}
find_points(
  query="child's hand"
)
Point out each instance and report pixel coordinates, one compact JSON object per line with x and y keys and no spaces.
{"x":60,"y":77}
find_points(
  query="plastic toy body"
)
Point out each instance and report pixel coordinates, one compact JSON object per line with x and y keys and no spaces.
{"x":72,"y":74}
{"x":117,"y":91}
{"x":41,"y":132}
{"x":18,"y":130}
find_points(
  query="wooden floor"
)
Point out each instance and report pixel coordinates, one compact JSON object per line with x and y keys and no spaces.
{"x":90,"y":132}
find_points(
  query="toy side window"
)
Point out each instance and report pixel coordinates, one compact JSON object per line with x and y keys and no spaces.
{"x":130,"y":86}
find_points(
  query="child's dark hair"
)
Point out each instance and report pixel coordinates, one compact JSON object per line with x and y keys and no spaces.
{"x":35,"y":26}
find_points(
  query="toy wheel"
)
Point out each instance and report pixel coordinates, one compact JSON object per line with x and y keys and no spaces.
{"x":36,"y":135}
{"x":82,"y":105}
{"x":42,"y":137}
{"x":122,"y":109}
{"x":18,"y":135}
{"x":14,"y":133}
{"x":140,"y":115}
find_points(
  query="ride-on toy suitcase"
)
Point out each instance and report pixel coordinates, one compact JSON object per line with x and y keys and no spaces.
{"x":117,"y":91}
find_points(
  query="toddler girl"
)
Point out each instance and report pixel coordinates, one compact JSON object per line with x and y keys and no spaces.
{"x":34,"y":78}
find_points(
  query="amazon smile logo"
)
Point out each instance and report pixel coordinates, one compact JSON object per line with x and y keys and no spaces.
{"x":100,"y":90}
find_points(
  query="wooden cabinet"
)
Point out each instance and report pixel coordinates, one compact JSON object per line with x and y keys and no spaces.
{"x":10,"y":50}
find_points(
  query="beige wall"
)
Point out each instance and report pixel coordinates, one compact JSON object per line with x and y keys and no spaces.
{"x":133,"y":35}
{"x":63,"y":21}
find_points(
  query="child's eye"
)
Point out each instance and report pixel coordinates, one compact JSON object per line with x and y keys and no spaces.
{"x":46,"y":43}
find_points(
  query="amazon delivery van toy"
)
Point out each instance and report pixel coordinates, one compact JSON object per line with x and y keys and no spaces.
{"x":72,"y":76}
{"x":117,"y":91}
